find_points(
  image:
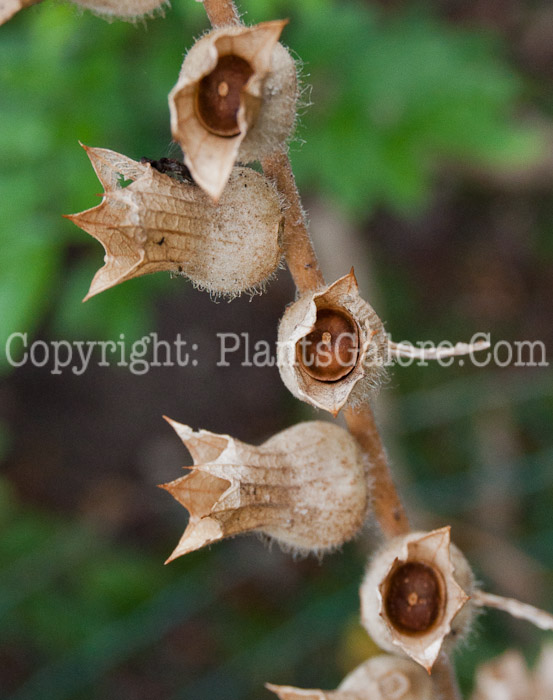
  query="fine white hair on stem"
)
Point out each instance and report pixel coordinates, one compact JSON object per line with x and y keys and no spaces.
{"x":539,"y":618}
{"x":436,"y":353}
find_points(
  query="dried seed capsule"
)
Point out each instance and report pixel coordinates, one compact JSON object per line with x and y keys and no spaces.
{"x":124,"y":9}
{"x":235,"y":99}
{"x":163,"y":221}
{"x":414,"y":597}
{"x":380,"y":678}
{"x":306,"y":487}
{"x":332,"y":347}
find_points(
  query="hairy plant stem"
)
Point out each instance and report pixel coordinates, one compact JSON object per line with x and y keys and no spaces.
{"x":298,"y":248}
{"x":221,"y":12}
{"x":386,"y":503}
{"x":308,"y":277}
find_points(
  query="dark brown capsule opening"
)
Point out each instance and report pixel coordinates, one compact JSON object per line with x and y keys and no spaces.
{"x":413,"y":599}
{"x":329,"y":352}
{"x":218,"y":95}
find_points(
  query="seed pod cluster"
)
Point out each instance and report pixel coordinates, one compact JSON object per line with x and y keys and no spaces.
{"x":380,"y":678}
{"x":235,"y":99}
{"x":332,"y":347}
{"x":159,"y":222}
{"x":415,"y":595}
{"x":305,"y":487}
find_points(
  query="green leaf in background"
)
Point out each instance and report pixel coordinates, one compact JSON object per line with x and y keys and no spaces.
{"x":65,"y":76}
{"x":394,"y":95}
{"x":28,"y":265}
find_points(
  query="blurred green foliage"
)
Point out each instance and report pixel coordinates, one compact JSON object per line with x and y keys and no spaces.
{"x":391,"y":97}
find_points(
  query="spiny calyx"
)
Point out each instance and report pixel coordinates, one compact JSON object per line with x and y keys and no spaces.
{"x":379,"y":678}
{"x":306,"y":487}
{"x":163,"y":221}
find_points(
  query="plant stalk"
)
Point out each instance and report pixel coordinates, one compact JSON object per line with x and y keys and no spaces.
{"x":298,"y":248}
{"x":386,"y":503}
{"x":308,"y":277}
{"x":221,"y":12}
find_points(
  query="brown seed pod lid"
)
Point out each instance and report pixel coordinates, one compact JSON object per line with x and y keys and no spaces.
{"x":414,"y":597}
{"x":218,"y":95}
{"x":329,"y":352}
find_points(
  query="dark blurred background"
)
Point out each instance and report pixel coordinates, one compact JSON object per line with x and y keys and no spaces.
{"x":425,"y":159}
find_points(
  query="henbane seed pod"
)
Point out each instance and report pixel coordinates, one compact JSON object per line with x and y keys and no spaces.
{"x":415,"y":596}
{"x":380,"y":678}
{"x":160,"y":222}
{"x":332,"y":347}
{"x":306,"y":487}
{"x":124,"y":9}
{"x":235,"y":99}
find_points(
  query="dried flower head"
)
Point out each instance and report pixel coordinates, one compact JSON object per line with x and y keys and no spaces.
{"x":306,"y":487}
{"x":508,"y":678}
{"x":414,"y":595}
{"x":163,"y":222}
{"x":380,"y":678}
{"x":124,"y":9}
{"x":332,"y":347}
{"x":235,"y":99}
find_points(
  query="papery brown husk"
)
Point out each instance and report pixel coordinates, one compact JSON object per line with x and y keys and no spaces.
{"x":124,"y":9}
{"x":267,"y":110}
{"x":159,"y":223}
{"x":306,"y":487}
{"x":508,"y":677}
{"x":435,"y":550}
{"x":379,"y":678}
{"x":370,"y":368}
